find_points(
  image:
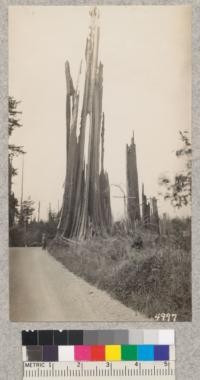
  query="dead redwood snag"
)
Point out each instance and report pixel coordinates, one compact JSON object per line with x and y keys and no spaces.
{"x":150,"y":217}
{"x":145,"y":209}
{"x":86,"y":209}
{"x":133,"y":203}
{"x":154,"y":215}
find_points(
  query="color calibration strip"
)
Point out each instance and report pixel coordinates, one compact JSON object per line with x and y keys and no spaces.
{"x":89,"y":354}
{"x":108,"y":353}
{"x":97,"y":337}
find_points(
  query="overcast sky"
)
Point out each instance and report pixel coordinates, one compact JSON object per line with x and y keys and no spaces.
{"x":146,"y":53}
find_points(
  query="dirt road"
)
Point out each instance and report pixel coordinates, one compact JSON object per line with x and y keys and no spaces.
{"x":41,"y":289}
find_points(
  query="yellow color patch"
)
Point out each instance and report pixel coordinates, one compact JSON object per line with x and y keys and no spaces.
{"x":113,"y":352}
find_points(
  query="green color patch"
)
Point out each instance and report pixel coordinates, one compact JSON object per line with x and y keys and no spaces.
{"x":129,"y":352}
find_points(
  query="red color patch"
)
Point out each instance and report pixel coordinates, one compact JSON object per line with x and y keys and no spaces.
{"x":98,"y":353}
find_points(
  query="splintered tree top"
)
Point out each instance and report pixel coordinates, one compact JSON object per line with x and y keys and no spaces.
{"x":86,"y":207}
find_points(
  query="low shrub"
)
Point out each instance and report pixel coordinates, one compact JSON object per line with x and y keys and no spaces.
{"x":155,"y":279}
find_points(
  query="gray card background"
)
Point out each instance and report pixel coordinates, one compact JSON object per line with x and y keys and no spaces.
{"x":187,"y":334}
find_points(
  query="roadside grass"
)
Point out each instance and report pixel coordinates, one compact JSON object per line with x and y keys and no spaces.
{"x":155,"y":279}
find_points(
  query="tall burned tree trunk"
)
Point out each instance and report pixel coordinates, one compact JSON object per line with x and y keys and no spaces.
{"x":150,"y":217}
{"x":154,"y":215}
{"x":145,"y":209}
{"x":133,"y":204}
{"x":104,"y":188}
{"x":87,"y":189}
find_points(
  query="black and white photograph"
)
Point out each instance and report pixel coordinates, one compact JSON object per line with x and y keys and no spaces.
{"x":100,"y":162}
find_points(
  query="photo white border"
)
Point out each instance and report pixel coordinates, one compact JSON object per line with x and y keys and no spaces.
{"x":187,"y":333}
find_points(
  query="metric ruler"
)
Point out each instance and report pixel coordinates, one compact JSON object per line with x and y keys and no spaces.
{"x":99,"y":370}
{"x":102,"y":354}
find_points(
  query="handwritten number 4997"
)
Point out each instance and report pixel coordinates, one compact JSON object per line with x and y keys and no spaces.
{"x":165,"y":317}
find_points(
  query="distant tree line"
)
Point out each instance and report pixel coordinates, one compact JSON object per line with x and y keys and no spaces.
{"x":23,"y":227}
{"x":13,"y":152}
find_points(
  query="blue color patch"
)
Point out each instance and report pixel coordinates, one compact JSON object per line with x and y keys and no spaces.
{"x":161,"y":352}
{"x":146,"y":352}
